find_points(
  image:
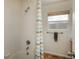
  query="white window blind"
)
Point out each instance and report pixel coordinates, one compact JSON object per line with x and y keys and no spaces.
{"x":59,"y":21}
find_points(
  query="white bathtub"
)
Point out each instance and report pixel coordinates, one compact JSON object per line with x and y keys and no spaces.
{"x":20,"y":55}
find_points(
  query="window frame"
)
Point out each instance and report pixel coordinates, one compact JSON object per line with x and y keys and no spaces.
{"x":58,"y":13}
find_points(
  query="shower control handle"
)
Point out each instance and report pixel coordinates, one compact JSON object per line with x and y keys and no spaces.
{"x":28,"y":42}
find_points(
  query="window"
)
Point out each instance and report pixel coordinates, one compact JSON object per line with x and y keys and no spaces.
{"x":58,"y":18}
{"x":58,"y":21}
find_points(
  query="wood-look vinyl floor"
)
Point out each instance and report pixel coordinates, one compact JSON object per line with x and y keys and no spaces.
{"x":49,"y":56}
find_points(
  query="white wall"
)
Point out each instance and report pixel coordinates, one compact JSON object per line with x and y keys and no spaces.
{"x":63,"y":45}
{"x":73,"y":27}
{"x":12,"y":26}
{"x":19,"y":27}
{"x":28,"y":29}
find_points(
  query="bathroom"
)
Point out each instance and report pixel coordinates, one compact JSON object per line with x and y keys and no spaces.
{"x":20,"y":24}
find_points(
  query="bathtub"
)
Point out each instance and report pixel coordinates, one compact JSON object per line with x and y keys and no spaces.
{"x":19,"y":55}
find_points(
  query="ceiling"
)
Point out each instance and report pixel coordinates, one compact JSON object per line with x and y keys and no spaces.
{"x":51,"y":1}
